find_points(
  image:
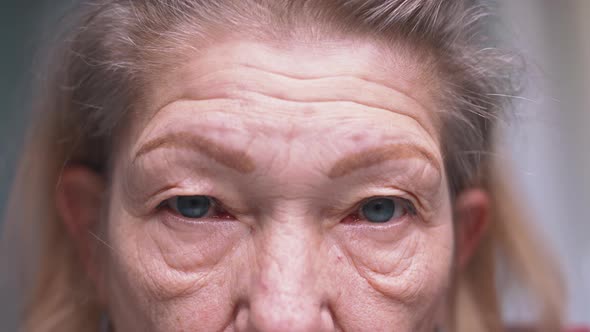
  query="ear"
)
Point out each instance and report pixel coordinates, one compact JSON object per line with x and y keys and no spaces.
{"x":79,"y":198}
{"x":472,"y":213}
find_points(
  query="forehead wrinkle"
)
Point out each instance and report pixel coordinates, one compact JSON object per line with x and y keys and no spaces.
{"x":222,"y":84}
{"x":229,"y":157}
{"x":375,"y":156}
{"x":247,"y":77}
{"x":367,"y":66}
{"x":362,"y":77}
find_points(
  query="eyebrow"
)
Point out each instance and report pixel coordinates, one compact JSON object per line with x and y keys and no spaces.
{"x":371,"y":157}
{"x":232,"y":158}
{"x":241,"y":162}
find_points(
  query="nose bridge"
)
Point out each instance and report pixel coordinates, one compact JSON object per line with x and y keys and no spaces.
{"x":285,"y":295}
{"x":286,"y":257}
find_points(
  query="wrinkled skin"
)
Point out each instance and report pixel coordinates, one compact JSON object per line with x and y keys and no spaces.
{"x":286,"y":254}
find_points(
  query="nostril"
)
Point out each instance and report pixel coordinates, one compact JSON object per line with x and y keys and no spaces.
{"x":327,"y":320}
{"x":242,"y":318}
{"x":243,"y":322}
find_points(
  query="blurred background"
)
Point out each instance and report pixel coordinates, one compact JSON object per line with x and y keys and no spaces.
{"x":549,"y":147}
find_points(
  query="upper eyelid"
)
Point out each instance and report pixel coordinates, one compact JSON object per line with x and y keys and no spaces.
{"x":394,"y":197}
{"x":177,"y":189}
{"x":213,"y":200}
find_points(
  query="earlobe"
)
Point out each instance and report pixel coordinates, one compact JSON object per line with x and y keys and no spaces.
{"x":472,"y":214}
{"x":79,"y":196}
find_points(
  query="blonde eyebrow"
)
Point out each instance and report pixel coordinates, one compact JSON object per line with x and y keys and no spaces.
{"x":374,"y":156}
{"x":232,"y":158}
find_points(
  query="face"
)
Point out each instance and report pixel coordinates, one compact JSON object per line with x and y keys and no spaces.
{"x":281,"y":188}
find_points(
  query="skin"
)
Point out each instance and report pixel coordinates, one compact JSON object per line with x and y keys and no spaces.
{"x":281,"y":137}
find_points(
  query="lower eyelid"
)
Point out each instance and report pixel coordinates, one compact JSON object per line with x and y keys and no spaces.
{"x":360,"y":222}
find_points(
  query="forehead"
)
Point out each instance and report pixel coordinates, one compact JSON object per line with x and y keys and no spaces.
{"x":292,"y":100}
{"x":303,"y":70}
{"x":337,"y":105}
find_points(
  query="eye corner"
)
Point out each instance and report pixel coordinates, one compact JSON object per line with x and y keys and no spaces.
{"x":165,"y":204}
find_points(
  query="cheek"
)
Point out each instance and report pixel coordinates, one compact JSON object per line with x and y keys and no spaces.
{"x":402,"y":272}
{"x":163,"y":272}
{"x":401,"y":268}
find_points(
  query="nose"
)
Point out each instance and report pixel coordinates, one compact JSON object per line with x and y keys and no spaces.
{"x":291,"y":315}
{"x":286,"y":293}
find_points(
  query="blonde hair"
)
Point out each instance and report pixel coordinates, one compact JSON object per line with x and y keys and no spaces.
{"x":113,"y":47}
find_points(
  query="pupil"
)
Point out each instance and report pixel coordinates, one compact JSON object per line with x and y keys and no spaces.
{"x":379,"y":210}
{"x":193,"y":206}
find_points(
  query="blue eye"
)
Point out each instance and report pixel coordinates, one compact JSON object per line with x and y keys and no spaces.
{"x":383,"y":209}
{"x":191,"y":206}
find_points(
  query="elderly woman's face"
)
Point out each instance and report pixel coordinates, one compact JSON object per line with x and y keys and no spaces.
{"x":284,"y":188}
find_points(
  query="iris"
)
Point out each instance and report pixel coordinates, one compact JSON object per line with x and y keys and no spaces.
{"x":379,"y":210}
{"x":192,"y":206}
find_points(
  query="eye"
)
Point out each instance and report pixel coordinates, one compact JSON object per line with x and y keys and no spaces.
{"x":384,"y":209}
{"x":191,"y":206}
